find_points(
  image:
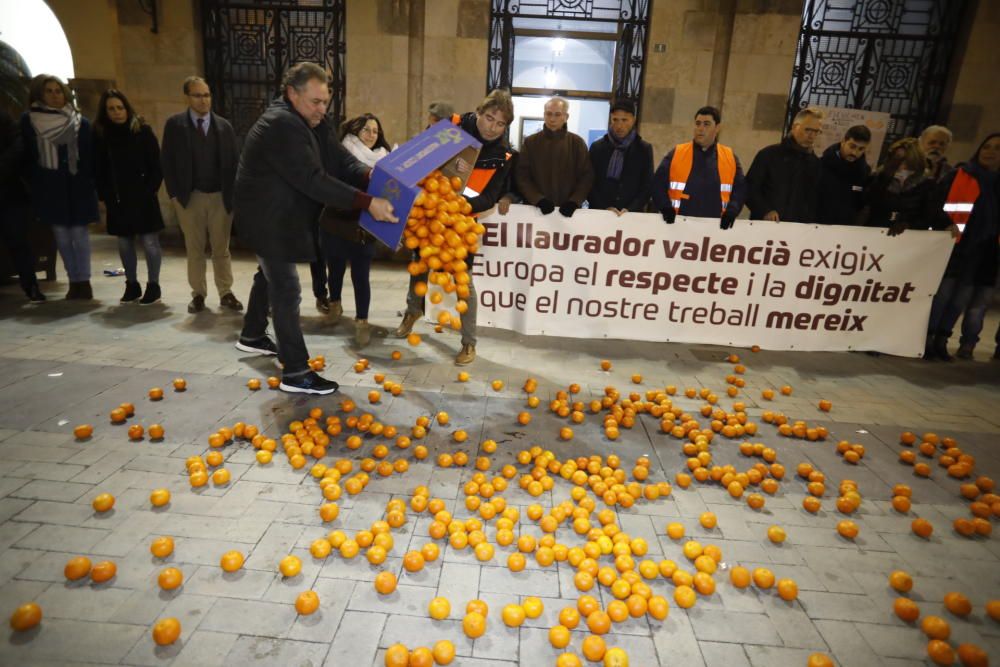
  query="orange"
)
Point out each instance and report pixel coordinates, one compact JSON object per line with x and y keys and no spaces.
{"x":788,"y":590}
{"x":166,"y":631}
{"x":155,"y":394}
{"x":159,"y":497}
{"x":443,"y":652}
{"x":385,"y":583}
{"x":513,"y":615}
{"x":77,"y":568}
{"x":25,"y":617}
{"x":739,"y":576}
{"x":599,"y":622}
{"x":397,"y":655}
{"x":811,"y":504}
{"x":180,"y":384}
{"x":474,"y":625}
{"x":776,"y":534}
{"x":162,"y":547}
{"x":957,"y":604}
{"x":118,"y":416}
{"x":103,"y":502}
{"x":533,"y":607}
{"x":156,"y":432}
{"x":684,"y":596}
{"x":290,"y":566}
{"x":901,"y":581}
{"x":993,"y":610}
{"x":231,"y":561}
{"x":413,"y":561}
{"x":307,"y":602}
{"x":594,"y":648}
{"x":559,"y":636}
{"x":906,"y":609}
{"x":940,"y":652}
{"x":935,"y":627}
{"x":708,"y":520}
{"x":83,"y":431}
{"x":170,"y":578}
{"x":568,"y":660}
{"x":763,"y":577}
{"x":971,"y":655}
{"x":439,"y":608}
{"x":103,"y":571}
{"x":616,"y":657}
{"x":922,"y":528}
{"x":253,"y":384}
{"x":658,"y":607}
{"x":847,"y":529}
{"x":819,"y":660}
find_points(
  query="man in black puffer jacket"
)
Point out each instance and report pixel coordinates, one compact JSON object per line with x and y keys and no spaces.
{"x":842,"y":179}
{"x":783,"y":177}
{"x":289,"y":169}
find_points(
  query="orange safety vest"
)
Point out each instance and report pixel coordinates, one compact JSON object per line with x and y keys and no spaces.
{"x":680,"y":169}
{"x":961,"y":198}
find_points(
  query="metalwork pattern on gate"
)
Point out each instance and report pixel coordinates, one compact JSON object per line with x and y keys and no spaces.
{"x":879,"y":55}
{"x":631,"y":17}
{"x":249,"y":44}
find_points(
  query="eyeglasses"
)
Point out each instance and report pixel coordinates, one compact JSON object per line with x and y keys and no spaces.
{"x":200,"y":96}
{"x":368,"y":130}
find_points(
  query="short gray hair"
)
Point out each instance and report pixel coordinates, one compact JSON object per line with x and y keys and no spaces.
{"x":298,"y":75}
{"x":441,"y":110}
{"x":806,"y":114}
{"x":936,"y":129}
{"x":561,"y":100}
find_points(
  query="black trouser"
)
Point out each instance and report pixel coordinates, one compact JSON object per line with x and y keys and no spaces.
{"x":339,"y":252}
{"x":13,"y":223}
{"x":276,"y":284}
{"x":318,"y":271}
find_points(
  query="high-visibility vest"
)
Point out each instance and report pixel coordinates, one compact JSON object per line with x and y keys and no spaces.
{"x":961,"y":198}
{"x":680,"y":169}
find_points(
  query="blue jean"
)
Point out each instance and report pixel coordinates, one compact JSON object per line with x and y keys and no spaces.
{"x":154,"y":256}
{"x":975,"y":314}
{"x":276,"y":284}
{"x":73,"y":243}
{"x":339,"y":252}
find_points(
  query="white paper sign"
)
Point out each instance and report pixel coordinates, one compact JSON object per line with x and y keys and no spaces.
{"x":778,"y":285}
{"x":837,"y":121}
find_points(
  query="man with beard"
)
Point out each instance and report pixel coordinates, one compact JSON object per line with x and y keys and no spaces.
{"x":842,"y":179}
{"x":934,"y":142}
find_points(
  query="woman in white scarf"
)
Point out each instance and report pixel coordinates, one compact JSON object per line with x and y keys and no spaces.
{"x":363,"y":137}
{"x":59,"y":145}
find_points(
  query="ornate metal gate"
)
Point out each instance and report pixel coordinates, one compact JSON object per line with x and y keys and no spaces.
{"x":881,"y":55}
{"x":249,"y":44}
{"x":632,"y":17}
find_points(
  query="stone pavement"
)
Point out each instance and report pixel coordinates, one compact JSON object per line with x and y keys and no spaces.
{"x":65,"y":363}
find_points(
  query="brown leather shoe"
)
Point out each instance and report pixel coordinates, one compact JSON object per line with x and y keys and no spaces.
{"x":231,"y":302}
{"x":466,"y":356}
{"x":406,"y":326}
{"x":362,"y":332}
{"x":335,"y":311}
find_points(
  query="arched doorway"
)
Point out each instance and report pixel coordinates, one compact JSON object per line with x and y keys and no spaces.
{"x":32,"y":30}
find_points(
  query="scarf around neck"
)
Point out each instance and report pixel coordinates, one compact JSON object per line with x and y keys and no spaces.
{"x":54,"y":128}
{"x":357,"y":148}
{"x":621,"y":146}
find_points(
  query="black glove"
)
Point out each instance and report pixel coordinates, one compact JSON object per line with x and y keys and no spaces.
{"x":568,"y":209}
{"x":545,"y":206}
{"x":897,"y":227}
{"x":727,"y":220}
{"x":669,"y":215}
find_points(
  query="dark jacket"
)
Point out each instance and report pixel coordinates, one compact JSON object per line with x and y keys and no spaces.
{"x":911,"y":204}
{"x":631,"y":190}
{"x":178,"y":170}
{"x":493,"y":155}
{"x":554,"y":166}
{"x":58,"y":196}
{"x":287,"y":173}
{"x":345,"y":222}
{"x":128,"y":178}
{"x":13,"y":193}
{"x":704,"y":199}
{"x":975,"y":258}
{"x":841,"y":188}
{"x":784,"y":178}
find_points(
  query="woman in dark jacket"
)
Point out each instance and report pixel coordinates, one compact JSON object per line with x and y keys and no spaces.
{"x":58,"y":148}
{"x":342,"y":240}
{"x":974,"y":260}
{"x":900,"y":196}
{"x":128,"y":178}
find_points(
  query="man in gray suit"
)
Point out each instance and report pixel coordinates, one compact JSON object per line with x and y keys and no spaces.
{"x":199,"y":158}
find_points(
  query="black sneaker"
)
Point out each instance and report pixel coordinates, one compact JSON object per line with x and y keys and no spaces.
{"x":310,"y":383}
{"x":263,"y":345}
{"x":152,"y":295}
{"x":197,"y":304}
{"x":230,"y":302}
{"x":133,"y":291}
{"x":35,"y":294}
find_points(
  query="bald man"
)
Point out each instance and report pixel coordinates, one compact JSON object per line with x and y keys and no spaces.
{"x":554,"y":168}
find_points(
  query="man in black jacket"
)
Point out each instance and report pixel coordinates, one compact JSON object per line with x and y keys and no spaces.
{"x":843,"y":177}
{"x":623,"y":164}
{"x":13,"y":208}
{"x":290,"y":168}
{"x":783,"y":177}
{"x":199,"y":157}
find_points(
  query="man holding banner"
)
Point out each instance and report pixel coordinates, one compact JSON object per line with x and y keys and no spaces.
{"x":701,"y":178}
{"x":783,"y":177}
{"x":487,"y":124}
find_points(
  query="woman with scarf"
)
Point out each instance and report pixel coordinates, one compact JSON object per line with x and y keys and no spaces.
{"x":900,"y":195}
{"x":128,"y":178}
{"x":623,"y":164}
{"x":59,"y":154}
{"x":971,"y":196}
{"x":341,"y":238}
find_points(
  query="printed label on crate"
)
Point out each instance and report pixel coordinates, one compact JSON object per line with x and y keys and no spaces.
{"x":777,"y":285}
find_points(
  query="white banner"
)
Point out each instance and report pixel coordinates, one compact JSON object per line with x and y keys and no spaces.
{"x":783,"y":286}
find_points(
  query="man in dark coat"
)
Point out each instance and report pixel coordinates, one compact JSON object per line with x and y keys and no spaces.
{"x":709,"y":183}
{"x":623,"y":164}
{"x":554,"y":168}
{"x":290,"y":168}
{"x":14,"y":208}
{"x":783,"y":177}
{"x":199,"y":168}
{"x":842,"y":179}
